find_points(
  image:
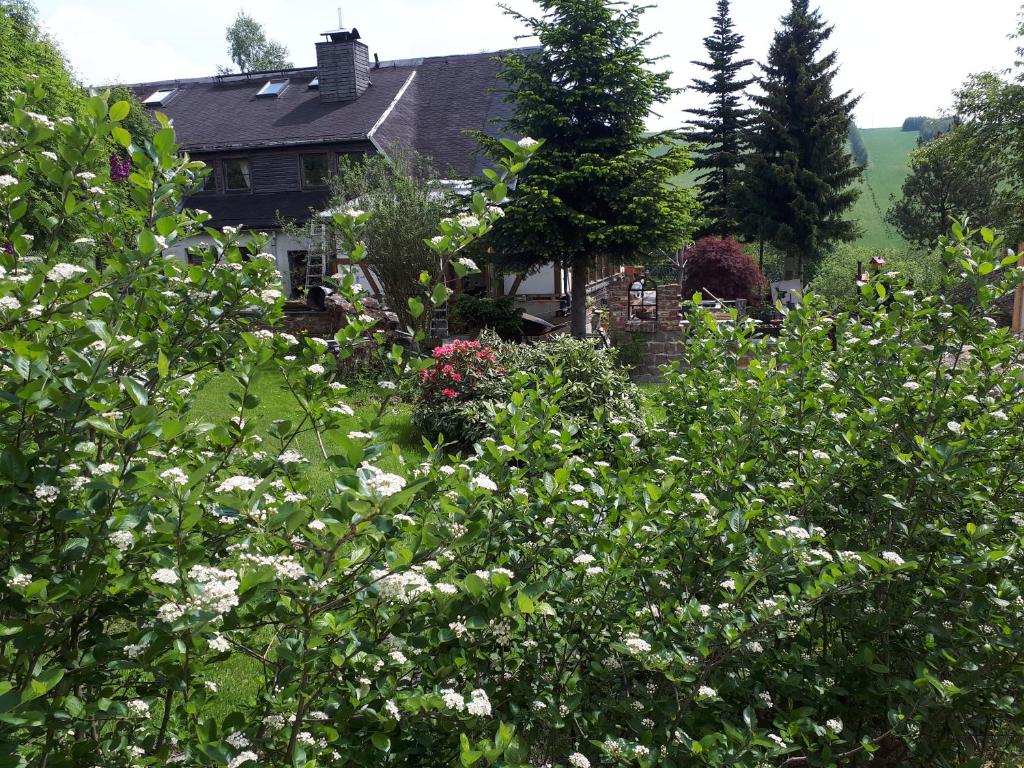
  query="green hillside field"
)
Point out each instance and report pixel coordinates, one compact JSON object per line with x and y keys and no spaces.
{"x":888,"y":166}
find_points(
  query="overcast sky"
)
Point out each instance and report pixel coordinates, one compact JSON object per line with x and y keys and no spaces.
{"x":903,"y":56}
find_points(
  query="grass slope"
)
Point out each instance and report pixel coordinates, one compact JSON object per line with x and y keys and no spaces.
{"x":888,"y":166}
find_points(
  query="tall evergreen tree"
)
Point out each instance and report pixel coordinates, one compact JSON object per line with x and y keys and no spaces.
{"x":720,"y":126}
{"x":596,"y":188}
{"x":798,"y":180}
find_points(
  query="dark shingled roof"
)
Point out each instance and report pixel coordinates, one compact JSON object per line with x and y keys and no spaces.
{"x":426,"y":104}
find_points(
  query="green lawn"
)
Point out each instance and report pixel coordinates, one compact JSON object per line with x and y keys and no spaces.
{"x":276,"y":403}
{"x":888,"y":166}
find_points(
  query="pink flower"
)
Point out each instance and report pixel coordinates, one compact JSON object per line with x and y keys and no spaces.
{"x":449,"y":393}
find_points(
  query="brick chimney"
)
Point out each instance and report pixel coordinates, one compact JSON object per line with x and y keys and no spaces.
{"x":343,"y":66}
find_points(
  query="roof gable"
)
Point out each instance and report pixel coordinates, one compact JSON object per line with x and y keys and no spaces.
{"x":430,"y":105}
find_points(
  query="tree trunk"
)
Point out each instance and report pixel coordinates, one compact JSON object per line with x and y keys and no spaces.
{"x":578,"y":308}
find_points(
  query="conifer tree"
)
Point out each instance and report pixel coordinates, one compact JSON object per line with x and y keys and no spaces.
{"x":720,"y":126}
{"x":599,"y":186}
{"x":799,"y":179}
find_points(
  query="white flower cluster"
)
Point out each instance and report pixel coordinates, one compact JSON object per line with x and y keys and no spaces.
{"x":578,"y":760}
{"x":63,"y":271}
{"x":138,"y":708}
{"x":217,"y":592}
{"x":479,"y":704}
{"x":174,"y":476}
{"x":483,"y":482}
{"x":453,"y":700}
{"x":381,"y":483}
{"x":121,"y":540}
{"x":47,"y":493}
{"x":636,"y":644}
{"x":19,"y":581}
{"x":400,"y":587}
{"x":291,"y":456}
{"x":285,"y":566}
{"x":238,"y":483}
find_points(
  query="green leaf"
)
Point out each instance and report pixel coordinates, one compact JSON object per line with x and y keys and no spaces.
{"x":440,"y":295}
{"x":415,"y":307}
{"x":135,"y":390}
{"x":121,"y":136}
{"x":381,"y":742}
{"x":119,"y":111}
{"x":163,"y":365}
{"x":164,"y":140}
{"x":525,"y":603}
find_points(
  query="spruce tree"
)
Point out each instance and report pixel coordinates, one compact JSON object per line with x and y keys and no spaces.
{"x":720,"y":126}
{"x":799,"y":178}
{"x":599,"y":186}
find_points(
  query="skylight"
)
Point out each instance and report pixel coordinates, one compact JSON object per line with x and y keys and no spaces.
{"x":158,"y":98}
{"x":272,"y":88}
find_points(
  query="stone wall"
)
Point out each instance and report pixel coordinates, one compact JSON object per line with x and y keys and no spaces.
{"x":661,"y":339}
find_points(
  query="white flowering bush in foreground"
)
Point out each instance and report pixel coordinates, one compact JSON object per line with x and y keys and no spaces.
{"x":815,"y":561}
{"x":141,"y":549}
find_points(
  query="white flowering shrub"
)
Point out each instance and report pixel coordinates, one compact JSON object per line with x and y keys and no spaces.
{"x":147,"y":555}
{"x":814,"y":560}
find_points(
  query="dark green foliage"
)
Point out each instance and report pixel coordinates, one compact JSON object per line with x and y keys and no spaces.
{"x":594,"y":189}
{"x":914,"y":123}
{"x":799,"y":180}
{"x":630,"y":348}
{"x":250,"y":48}
{"x":858,"y":148}
{"x":990,"y":112}
{"x":928,"y":127}
{"x":24,"y":47}
{"x":836,"y":278}
{"x":138,"y":123}
{"x":720,"y":126}
{"x":947,"y":180}
{"x":472,"y":314}
{"x":934,"y":127}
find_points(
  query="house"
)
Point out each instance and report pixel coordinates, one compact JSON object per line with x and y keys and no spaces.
{"x":273,"y":139}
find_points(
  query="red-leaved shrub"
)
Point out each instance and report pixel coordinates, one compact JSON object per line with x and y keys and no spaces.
{"x":718,"y":266}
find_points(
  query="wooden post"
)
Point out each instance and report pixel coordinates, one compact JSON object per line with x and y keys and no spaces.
{"x":1018,"y":296}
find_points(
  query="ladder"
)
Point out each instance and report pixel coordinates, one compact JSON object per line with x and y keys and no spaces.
{"x":439,"y":322}
{"x":316,"y":259}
